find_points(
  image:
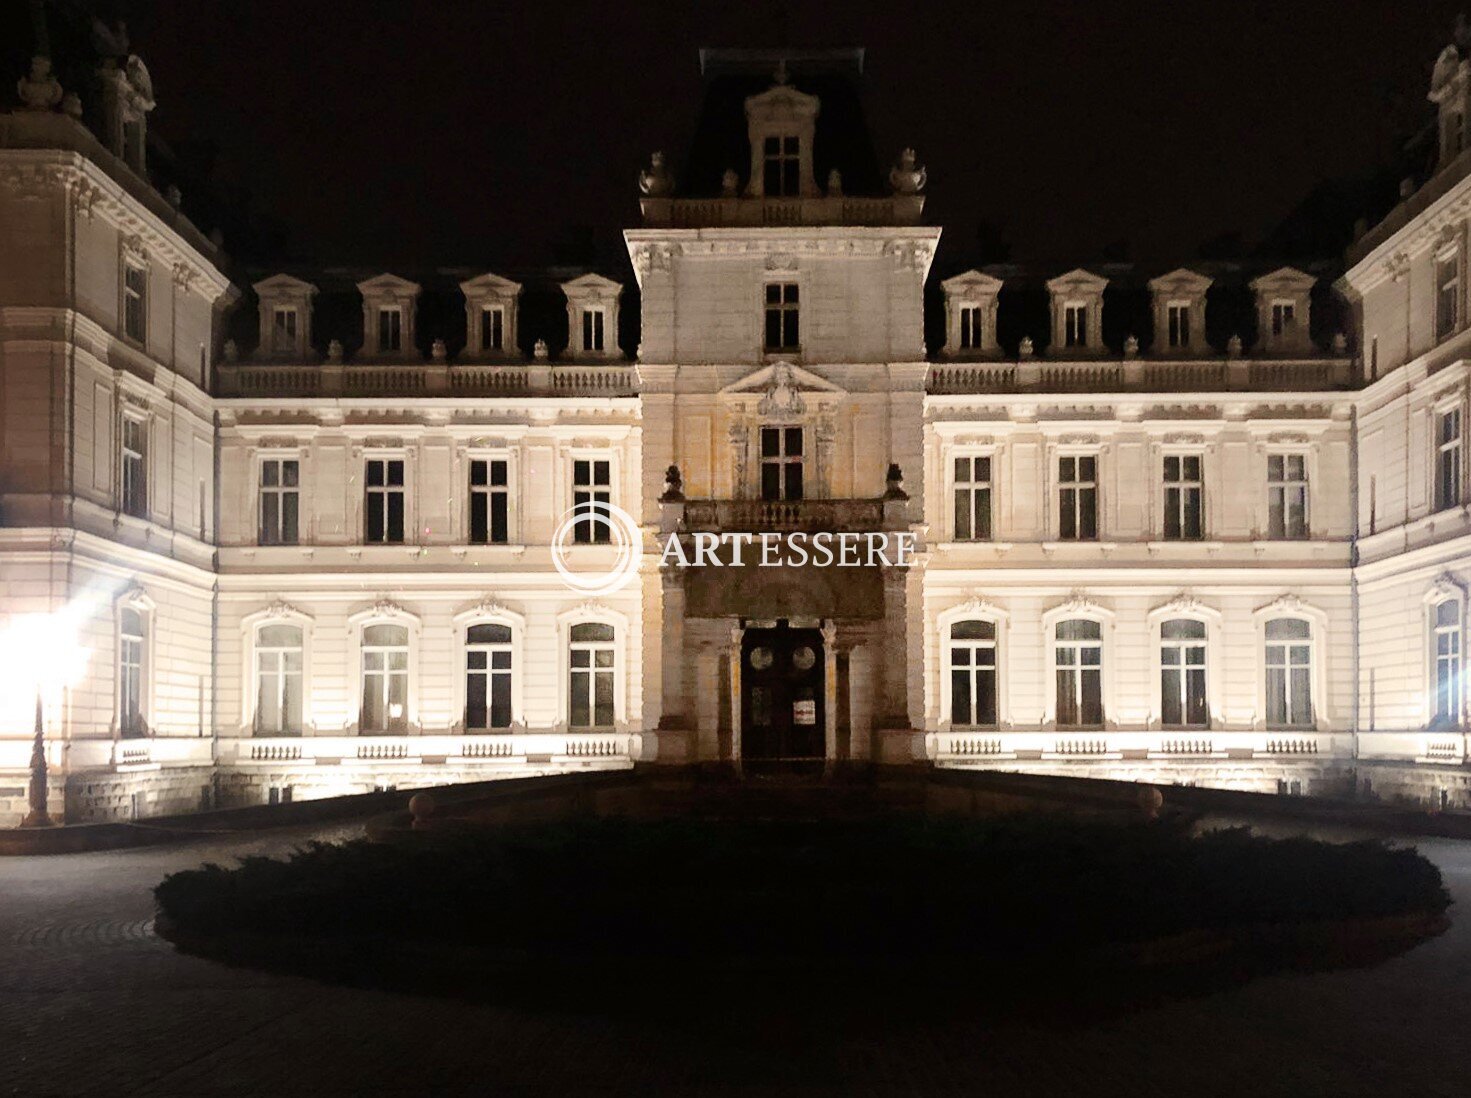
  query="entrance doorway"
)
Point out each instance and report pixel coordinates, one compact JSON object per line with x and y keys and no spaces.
{"x":783,"y":716}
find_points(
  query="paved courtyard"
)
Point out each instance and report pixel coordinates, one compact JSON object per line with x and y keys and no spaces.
{"x":92,"y":1004}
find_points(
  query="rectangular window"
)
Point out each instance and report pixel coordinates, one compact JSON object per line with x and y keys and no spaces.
{"x":1284,"y":315}
{"x":1289,"y":660}
{"x":1182,"y":674}
{"x":135,"y":467}
{"x":781,"y":463}
{"x":390,"y":329}
{"x":592,"y":329}
{"x":385,"y":679}
{"x":1287,"y":496}
{"x":385,"y":501}
{"x":782,"y":333}
{"x":592,"y":480}
{"x":1448,"y":459}
{"x":1078,"y":656}
{"x":283,"y":331}
{"x":132,"y":638}
{"x":492,"y":328}
{"x":1077,"y":502}
{"x":489,"y":502}
{"x":1447,"y":640}
{"x":972,"y":499}
{"x":591,"y":676}
{"x":1447,"y":296}
{"x":487,"y":677}
{"x":781,"y":167}
{"x":1075,"y":325}
{"x":278,"y":672}
{"x":1179,"y":322}
{"x":973,"y":674}
{"x":135,"y":302}
{"x":1183,"y":494}
{"x":970,"y":327}
{"x":280,"y":480}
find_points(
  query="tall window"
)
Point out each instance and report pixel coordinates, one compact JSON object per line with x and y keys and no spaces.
{"x":1448,"y":459}
{"x":591,"y":667}
{"x":782,"y":332}
{"x":385,"y":501}
{"x":1078,"y":656}
{"x":1182,"y":674}
{"x":972,"y":499}
{"x":280,"y":491}
{"x":135,"y":466}
{"x":1447,"y":296}
{"x":1289,"y":661}
{"x":1284,"y":315}
{"x":1183,"y":492}
{"x":487,"y":677}
{"x":385,"y":679}
{"x":489,"y":502}
{"x":1077,"y":502}
{"x":283,"y":330}
{"x":132,"y":648}
{"x":1075,"y":325}
{"x":781,"y":463}
{"x":278,"y":677}
{"x":592,"y":329}
{"x":1178,"y":316}
{"x":970,"y":327}
{"x":781,"y":166}
{"x":390,"y":329}
{"x":591,"y":486}
{"x":135,"y":302}
{"x":1287,"y":496}
{"x":972,"y":674}
{"x":492,"y":328}
{"x":1447,"y":641}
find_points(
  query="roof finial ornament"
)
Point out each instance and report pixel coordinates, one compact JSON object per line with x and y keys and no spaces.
{"x":730,"y":184}
{"x":907,"y":176}
{"x":39,"y":89}
{"x":834,"y":183}
{"x":781,"y":76}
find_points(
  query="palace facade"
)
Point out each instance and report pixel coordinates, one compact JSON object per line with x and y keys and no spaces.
{"x":298,"y":533}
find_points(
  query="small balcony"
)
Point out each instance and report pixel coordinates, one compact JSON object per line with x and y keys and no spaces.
{"x":742,"y":212}
{"x":787,"y":515}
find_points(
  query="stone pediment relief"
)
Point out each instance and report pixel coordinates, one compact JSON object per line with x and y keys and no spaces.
{"x":782,"y":389}
{"x":781,"y":101}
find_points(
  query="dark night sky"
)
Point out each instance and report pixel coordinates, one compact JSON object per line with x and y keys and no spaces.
{"x":484,"y":133}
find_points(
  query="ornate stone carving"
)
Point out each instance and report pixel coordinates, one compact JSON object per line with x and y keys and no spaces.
{"x":1079,"y":603}
{"x":39,"y":90}
{"x":737,"y":434}
{"x":907,"y":176}
{"x":978,"y":606}
{"x":782,"y":397}
{"x":280,"y":608}
{"x":1288,"y":603}
{"x":656,"y":180}
{"x":1183,"y":603}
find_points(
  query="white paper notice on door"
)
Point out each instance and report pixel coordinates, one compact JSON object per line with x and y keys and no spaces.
{"x":804,"y":711}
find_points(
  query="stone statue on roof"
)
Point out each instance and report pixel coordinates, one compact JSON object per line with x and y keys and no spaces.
{"x":656,"y":180}
{"x":39,"y":90}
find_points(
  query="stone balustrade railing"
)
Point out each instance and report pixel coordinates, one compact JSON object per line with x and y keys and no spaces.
{"x":961,"y":747}
{"x":512,"y":748}
{"x":1139,"y":375}
{"x":739,"y":212}
{"x":470,"y":379}
{"x":784,"y":515}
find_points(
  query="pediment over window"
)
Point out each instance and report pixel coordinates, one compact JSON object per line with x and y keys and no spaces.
{"x":1181,"y":282}
{"x":1078,"y":282}
{"x":971,"y":285}
{"x":388,"y":287}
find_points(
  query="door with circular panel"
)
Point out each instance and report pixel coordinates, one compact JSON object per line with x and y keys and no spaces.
{"x":782,"y":704}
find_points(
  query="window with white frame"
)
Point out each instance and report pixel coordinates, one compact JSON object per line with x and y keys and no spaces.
{"x":592,"y":491}
{"x":593,"y":321}
{"x":283,"y":329}
{"x":1446,"y":645}
{"x":1447,"y":459}
{"x":1077,"y":497}
{"x":492,"y":328}
{"x":135,"y":301}
{"x":131,"y":669}
{"x":783,"y":332}
{"x":385,"y":672}
{"x":1287,"y":496}
{"x":489,"y":501}
{"x":1078,"y":660}
{"x":1289,"y":666}
{"x":781,"y":463}
{"x":280,"y":501}
{"x":1447,"y":295}
{"x":384,"y":501}
{"x":135,"y":466}
{"x":487,"y":677}
{"x":1182,"y":669}
{"x":781,"y":161}
{"x":278,"y":680}
{"x":973,"y":686}
{"x":972,"y":494}
{"x":970,"y":327}
{"x":1177,"y":316}
{"x":1184,"y":491}
{"x":592,"y":660}
{"x":1284,"y":316}
{"x":1075,"y":324}
{"x":390,"y":328}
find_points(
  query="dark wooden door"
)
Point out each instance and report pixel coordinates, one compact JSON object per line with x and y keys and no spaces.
{"x":782,"y":704}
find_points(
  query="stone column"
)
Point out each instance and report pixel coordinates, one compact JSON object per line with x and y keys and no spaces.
{"x":860,"y":703}
{"x":707,"y":708}
{"x":893,"y":650}
{"x":830,"y":691}
{"x":673,"y":711}
{"x":737,"y":636}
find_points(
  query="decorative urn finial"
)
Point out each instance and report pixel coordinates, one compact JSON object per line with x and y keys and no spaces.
{"x":1340,"y":343}
{"x":39,"y":89}
{"x":894,"y":482}
{"x":907,"y":176}
{"x":834,"y":183}
{"x":1233,"y":347}
{"x":655,"y":180}
{"x":730,"y":184}
{"x":1131,"y":346}
{"x":540,"y":351}
{"x":437,"y":350}
{"x":673,"y":486}
{"x":334,"y":351}
{"x":1024,"y":348}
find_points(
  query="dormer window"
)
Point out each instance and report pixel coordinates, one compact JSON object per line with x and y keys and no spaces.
{"x":1075,"y":324}
{"x":970,"y":313}
{"x":492,"y":328}
{"x":592,"y":316}
{"x":782,"y":166}
{"x":389,"y":310}
{"x":490,"y":314}
{"x":782,"y":329}
{"x":1179,"y":325}
{"x":1077,"y":308}
{"x":1284,"y":302}
{"x":593,"y":322}
{"x":285,"y":315}
{"x":283,"y":330}
{"x":390,"y":329}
